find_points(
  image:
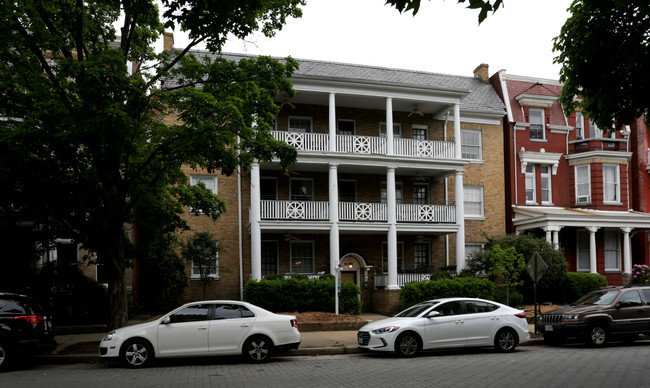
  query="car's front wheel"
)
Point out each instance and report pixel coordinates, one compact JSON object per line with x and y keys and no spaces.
{"x":505,"y":341}
{"x":597,"y":335}
{"x":258,"y":349}
{"x":137,"y":353}
{"x":407,"y":345}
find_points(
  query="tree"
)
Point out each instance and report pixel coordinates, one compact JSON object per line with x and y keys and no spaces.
{"x":484,"y":5}
{"x":86,"y":152}
{"x":604,"y":51}
{"x":201,"y":251}
{"x":506,"y":267}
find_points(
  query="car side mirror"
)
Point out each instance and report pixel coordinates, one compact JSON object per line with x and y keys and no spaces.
{"x":433,"y":314}
{"x":623,"y":304}
{"x":166,"y":320}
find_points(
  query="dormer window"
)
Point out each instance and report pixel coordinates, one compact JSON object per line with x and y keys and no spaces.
{"x":536,"y":124}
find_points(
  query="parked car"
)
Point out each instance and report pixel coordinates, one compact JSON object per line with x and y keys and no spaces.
{"x":610,"y":312}
{"x":207,"y":328}
{"x":447,"y":323}
{"x":25,"y":329}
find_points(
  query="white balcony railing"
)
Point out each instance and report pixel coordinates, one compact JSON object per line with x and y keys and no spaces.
{"x":294,"y":210}
{"x":358,"y":211}
{"x":402,"y":278}
{"x":426,"y":213}
{"x":368,"y":145}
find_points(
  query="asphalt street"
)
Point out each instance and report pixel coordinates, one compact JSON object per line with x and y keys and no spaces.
{"x":529,"y":366}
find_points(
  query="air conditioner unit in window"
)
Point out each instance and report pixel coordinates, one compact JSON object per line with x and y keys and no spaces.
{"x":584,"y":199}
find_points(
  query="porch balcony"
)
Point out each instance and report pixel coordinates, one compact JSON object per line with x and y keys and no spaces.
{"x":376,"y":145}
{"x":356,"y":211}
{"x":597,"y":144}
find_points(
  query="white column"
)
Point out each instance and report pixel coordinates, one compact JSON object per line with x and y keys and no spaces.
{"x":627,"y":254}
{"x":389,"y":126}
{"x":549,"y":236}
{"x":556,"y":238}
{"x":552,"y":235}
{"x":332,"y":122}
{"x":334,"y":217}
{"x":391,"y":201}
{"x":592,"y":248}
{"x":457,"y":135}
{"x":255,"y":217}
{"x":459,"y":197}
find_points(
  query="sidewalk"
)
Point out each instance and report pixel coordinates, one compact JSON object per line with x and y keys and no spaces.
{"x":76,"y":348}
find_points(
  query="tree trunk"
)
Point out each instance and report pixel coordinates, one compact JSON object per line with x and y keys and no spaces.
{"x":115,"y":261}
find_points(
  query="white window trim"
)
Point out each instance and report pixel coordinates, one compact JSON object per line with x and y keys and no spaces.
{"x":197,"y":276}
{"x":313,"y":256}
{"x":480,"y":216}
{"x":527,"y":174}
{"x":617,"y":169}
{"x":546,"y":177}
{"x":195,"y":178}
{"x":300,"y":130}
{"x":588,"y":196}
{"x":480,"y":142}
{"x":530,"y":114}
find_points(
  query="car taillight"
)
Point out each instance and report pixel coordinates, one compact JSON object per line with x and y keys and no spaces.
{"x":31,"y":318}
{"x":294,"y":323}
{"x":521,"y":315}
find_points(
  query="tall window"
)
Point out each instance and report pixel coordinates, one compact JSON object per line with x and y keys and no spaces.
{"x":545,"y":172}
{"x":420,"y":132}
{"x":472,"y":249}
{"x":212,"y":270}
{"x":397,"y":130}
{"x":420,"y":193}
{"x":611,"y":185}
{"x":302,"y":189}
{"x":269,"y":257}
{"x":346,"y":127}
{"x":530,"y":184}
{"x":612,"y":250}
{"x":473,"y":200}
{"x":399,"y":192}
{"x":584,"y":263}
{"x":536,"y":124}
{"x":299,"y":124}
{"x":580,"y":126}
{"x":471,"y":144}
{"x":210,"y":181}
{"x":268,"y":188}
{"x":594,"y":131}
{"x":400,"y":256}
{"x":302,"y":257}
{"x":347,"y":190}
{"x":422,"y":256}
{"x":583,"y":184}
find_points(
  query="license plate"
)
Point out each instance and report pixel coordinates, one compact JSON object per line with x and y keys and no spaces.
{"x":548,"y":327}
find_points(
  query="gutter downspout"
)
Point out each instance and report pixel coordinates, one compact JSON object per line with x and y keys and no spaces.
{"x":241,"y":240}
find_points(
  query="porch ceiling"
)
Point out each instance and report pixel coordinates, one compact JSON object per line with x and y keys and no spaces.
{"x":526,"y":218}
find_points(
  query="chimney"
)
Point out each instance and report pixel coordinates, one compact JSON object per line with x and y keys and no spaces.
{"x":482,"y":72}
{"x":168,"y":41}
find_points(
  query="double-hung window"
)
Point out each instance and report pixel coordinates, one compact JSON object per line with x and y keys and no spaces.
{"x":611,"y":183}
{"x":420,"y":132}
{"x":422,"y":257}
{"x":583,"y":184}
{"x":300,"y":124}
{"x":302,"y":257}
{"x":210,"y":181}
{"x":536,"y":123}
{"x":545,"y":172}
{"x":530,"y":184}
{"x":580,"y":126}
{"x":210,"y":269}
{"x":473,"y":201}
{"x":471,"y":144}
{"x":612,"y":250}
{"x":397,"y":130}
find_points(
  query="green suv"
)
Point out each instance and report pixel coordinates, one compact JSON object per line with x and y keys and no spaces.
{"x":596,"y":317}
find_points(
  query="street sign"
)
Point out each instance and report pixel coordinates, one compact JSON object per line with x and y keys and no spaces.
{"x":536,"y":267}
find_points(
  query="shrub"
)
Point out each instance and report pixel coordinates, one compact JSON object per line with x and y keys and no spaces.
{"x":416,"y":292}
{"x":516,"y":298}
{"x":581,"y":283}
{"x":439,"y":275}
{"x":640,"y":274}
{"x":300,"y":293}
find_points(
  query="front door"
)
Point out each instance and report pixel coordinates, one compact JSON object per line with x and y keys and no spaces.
{"x":349,"y":276}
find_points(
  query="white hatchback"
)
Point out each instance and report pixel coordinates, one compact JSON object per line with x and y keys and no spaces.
{"x":207,"y":328}
{"x":447,"y":323}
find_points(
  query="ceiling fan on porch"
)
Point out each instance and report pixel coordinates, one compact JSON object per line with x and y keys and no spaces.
{"x":420,"y":178}
{"x":416,"y":111}
{"x":286,"y":101}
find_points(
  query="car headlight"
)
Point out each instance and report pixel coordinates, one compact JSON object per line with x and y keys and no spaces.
{"x":571,"y":318}
{"x":388,"y":329}
{"x":109,"y":336}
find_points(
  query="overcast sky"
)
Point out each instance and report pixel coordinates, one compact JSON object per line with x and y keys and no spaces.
{"x":444,"y":37}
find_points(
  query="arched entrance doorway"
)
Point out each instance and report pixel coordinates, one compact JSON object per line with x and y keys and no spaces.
{"x":354,"y":269}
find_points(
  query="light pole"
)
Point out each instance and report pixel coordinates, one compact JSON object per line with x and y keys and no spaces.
{"x":337,"y":289}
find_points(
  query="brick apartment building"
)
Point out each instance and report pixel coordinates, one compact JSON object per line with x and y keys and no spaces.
{"x":399,"y":174}
{"x":583,"y":189}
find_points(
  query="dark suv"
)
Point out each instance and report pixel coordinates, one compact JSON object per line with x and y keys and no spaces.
{"x":25,"y":330}
{"x":612,"y":311}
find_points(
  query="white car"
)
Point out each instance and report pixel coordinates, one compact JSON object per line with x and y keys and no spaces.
{"x":207,"y":328}
{"x":447,"y":323}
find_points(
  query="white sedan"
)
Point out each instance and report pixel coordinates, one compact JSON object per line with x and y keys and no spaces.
{"x":447,"y":323}
{"x":207,"y":328}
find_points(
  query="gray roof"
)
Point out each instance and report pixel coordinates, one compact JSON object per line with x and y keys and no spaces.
{"x":481,"y":98}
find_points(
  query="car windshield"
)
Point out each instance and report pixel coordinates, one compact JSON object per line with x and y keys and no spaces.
{"x":417,"y":309}
{"x":600,"y":298}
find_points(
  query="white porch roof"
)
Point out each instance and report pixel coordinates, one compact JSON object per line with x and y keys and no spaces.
{"x":532,"y":217}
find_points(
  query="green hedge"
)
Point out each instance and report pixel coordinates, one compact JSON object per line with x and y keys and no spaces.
{"x":473,"y":287}
{"x":581,"y":283}
{"x":301,"y":294}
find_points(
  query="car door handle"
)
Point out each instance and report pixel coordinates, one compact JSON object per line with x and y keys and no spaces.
{"x":244,"y":325}
{"x":495,"y":318}
{"x":460,"y":322}
{"x":203,"y":328}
